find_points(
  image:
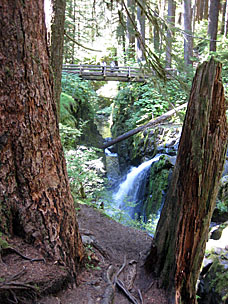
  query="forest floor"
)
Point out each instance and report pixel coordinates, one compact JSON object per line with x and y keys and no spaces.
{"x":116,"y":254}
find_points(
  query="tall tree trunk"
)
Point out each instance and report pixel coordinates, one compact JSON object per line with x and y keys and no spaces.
{"x":35,"y":198}
{"x":226,"y":21}
{"x":178,"y":247}
{"x":170,"y":33}
{"x":188,"y":39}
{"x":76,"y":33}
{"x":222,"y":29}
{"x":57,"y":39}
{"x":141,"y":29}
{"x":193,"y":15}
{"x":130,"y":37}
{"x":156,"y":32}
{"x":213,"y":23}
{"x":201,"y":9}
{"x":206,"y":5}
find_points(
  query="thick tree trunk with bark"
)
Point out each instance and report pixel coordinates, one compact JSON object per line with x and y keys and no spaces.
{"x":35,"y":199}
{"x":180,"y":239}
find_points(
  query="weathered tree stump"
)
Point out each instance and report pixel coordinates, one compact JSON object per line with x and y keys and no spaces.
{"x":179,"y":244}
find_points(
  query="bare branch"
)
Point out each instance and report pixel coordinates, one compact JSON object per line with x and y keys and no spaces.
{"x":79,"y":44}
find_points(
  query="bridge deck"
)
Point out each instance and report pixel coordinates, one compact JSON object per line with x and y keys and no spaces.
{"x":106,"y":73}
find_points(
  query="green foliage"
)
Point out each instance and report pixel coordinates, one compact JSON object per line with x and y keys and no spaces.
{"x":158,"y":185}
{"x":86,"y":172}
{"x":222,"y":55}
{"x":67,"y":104}
{"x":149,"y":226}
{"x":121,"y":215}
{"x":222,"y":205}
{"x":85,"y":168}
{"x":3,"y":243}
{"x":82,"y":92}
{"x":219,"y":278}
{"x":69,"y":136}
{"x":77,"y":111}
{"x":105,"y":111}
{"x":136,"y":104}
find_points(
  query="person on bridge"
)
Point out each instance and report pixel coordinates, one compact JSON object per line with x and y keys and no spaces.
{"x":103,"y":67}
{"x":112,"y":65}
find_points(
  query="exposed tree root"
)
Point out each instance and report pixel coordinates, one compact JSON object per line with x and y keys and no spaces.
{"x":113,"y":281}
{"x":140,"y":296}
{"x":109,"y":293}
{"x":13,"y":250}
{"x":101,"y":249}
{"x":16,"y":288}
{"x":121,"y":268}
{"x":121,"y":286}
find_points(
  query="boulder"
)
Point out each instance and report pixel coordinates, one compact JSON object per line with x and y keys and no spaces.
{"x":213,"y":285}
{"x":158,"y":185}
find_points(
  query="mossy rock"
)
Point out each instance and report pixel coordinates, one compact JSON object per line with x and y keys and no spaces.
{"x":158,"y":185}
{"x":213,"y":288}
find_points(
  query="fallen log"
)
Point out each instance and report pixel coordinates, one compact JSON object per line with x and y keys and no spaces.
{"x":139,"y":129}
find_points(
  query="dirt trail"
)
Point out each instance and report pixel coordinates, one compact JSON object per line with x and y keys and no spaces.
{"x":111,"y":247}
{"x":112,"y":243}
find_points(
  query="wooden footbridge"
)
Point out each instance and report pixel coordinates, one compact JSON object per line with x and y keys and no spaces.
{"x":106,"y":73}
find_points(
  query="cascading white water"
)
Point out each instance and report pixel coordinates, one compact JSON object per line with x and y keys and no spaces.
{"x":132,"y":189}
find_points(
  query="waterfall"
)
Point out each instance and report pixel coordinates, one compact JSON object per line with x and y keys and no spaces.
{"x":131,"y":191}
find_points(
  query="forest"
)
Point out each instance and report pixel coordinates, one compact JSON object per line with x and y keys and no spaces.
{"x":113,"y":151}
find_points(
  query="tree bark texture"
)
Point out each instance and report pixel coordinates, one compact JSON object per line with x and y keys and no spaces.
{"x":178,"y":247}
{"x":57,"y":39}
{"x":35,"y":198}
{"x":213,"y":23}
{"x":188,"y":39}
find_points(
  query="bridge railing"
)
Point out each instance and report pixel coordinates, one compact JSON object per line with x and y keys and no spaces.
{"x":96,"y":70}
